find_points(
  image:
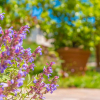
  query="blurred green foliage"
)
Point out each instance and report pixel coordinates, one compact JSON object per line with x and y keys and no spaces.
{"x":16,"y":13}
{"x":28,"y":44}
{"x":76,"y":33}
{"x":90,"y":80}
{"x":92,"y":9}
{"x":69,"y":32}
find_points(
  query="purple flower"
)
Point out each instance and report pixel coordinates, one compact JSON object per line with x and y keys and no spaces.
{"x":2,"y":16}
{"x":1,"y":96}
{"x":34,"y":80}
{"x":25,"y":28}
{"x":15,"y":35}
{"x":48,"y":75}
{"x":53,"y":87}
{"x":40,"y":53}
{"x":41,"y":97}
{"x":18,"y":47}
{"x":8,"y":61}
{"x":47,"y":87}
{"x":16,"y":91}
{"x":2,"y":68}
{"x":20,"y":82}
{"x":3,"y":53}
{"x":32,"y":66}
{"x":49,"y":69}
{"x":31,"y":59}
{"x":11,"y":32}
{"x":12,"y":81}
{"x":38,"y":50}
{"x":52,"y":63}
{"x":21,"y":72}
{"x":25,"y":66}
{"x":8,"y":52}
{"x":17,"y":50}
{"x":23,"y":36}
{"x":28,"y":51}
{"x":4,"y":84}
{"x":0,"y":30}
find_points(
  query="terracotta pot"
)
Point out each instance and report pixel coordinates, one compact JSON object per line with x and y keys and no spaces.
{"x":74,"y":59}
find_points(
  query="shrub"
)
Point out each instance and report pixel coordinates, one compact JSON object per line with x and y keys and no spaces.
{"x":15,"y":64}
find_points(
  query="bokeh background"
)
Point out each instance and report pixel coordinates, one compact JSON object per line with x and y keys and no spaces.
{"x":58,"y":24}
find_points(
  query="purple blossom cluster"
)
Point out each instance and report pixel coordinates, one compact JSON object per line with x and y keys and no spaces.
{"x":12,"y":54}
{"x":40,"y":85}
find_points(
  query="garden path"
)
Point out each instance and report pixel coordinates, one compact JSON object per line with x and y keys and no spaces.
{"x":74,"y":94}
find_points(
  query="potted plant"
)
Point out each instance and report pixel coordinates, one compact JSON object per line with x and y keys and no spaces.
{"x":73,"y":34}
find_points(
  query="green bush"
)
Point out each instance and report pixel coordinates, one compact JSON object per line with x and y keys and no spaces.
{"x":90,"y":80}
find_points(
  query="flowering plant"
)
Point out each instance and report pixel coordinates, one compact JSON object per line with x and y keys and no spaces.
{"x":16,"y":63}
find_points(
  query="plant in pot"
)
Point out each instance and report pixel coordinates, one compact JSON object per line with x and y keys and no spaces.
{"x":73,"y":34}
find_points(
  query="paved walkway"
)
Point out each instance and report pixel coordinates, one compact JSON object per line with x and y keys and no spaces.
{"x":74,"y":94}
